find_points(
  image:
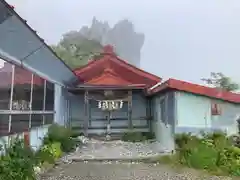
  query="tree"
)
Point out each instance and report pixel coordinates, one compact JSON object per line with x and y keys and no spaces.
{"x":76,"y":50}
{"x":219,"y":80}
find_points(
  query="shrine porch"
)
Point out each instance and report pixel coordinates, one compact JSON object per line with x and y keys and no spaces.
{"x":87,"y":116}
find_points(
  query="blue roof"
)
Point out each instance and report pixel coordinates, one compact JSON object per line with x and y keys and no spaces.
{"x":21,"y":45}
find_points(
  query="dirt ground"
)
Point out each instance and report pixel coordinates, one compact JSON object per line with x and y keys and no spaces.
{"x":122,"y":171}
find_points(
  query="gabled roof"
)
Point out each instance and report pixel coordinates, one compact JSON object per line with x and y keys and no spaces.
{"x":111,"y":70}
{"x":196,"y":89}
{"x":108,"y":77}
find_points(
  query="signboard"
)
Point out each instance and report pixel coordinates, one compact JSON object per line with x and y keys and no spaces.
{"x":110,"y":105}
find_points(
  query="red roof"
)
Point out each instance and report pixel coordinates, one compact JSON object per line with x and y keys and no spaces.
{"x":111,"y":70}
{"x":196,"y":89}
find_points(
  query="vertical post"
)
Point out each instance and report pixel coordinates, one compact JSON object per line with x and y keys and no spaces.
{"x":86,"y":113}
{"x":44,"y":100}
{"x":69,"y":111}
{"x":108,"y":132}
{"x":130,"y":124}
{"x":30,"y":106}
{"x":148,"y":113}
{"x":11,"y":99}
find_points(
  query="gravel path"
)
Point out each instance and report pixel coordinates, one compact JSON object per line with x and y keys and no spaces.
{"x":125,"y":171}
{"x":95,"y":149}
{"x":117,"y":170}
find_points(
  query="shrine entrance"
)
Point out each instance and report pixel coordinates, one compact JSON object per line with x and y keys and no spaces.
{"x":108,"y":111}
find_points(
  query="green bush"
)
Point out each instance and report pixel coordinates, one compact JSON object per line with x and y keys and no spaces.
{"x":202,"y":157}
{"x":61,"y":134}
{"x":132,"y":136}
{"x":183,"y":139}
{"x":212,"y":151}
{"x":49,"y":153}
{"x":44,"y":156}
{"x":17,"y":162}
{"x":149,"y":135}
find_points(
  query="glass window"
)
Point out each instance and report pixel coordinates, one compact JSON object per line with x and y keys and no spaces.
{"x":163,"y":110}
{"x":48,"y":118}
{"x":49,"y":96}
{"x":4,"y":124}
{"x":22,"y":89}
{"x":38,"y":93}
{"x":5,"y":84}
{"x":36,"y":120}
{"x":27,"y":94}
{"x":20,"y":123}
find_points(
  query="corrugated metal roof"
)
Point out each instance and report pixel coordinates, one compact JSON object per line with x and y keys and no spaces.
{"x":21,"y":45}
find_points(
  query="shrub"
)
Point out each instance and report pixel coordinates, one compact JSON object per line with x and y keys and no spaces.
{"x":61,"y":134}
{"x":17,"y":162}
{"x":132,"y":136}
{"x":202,"y":156}
{"x":182,"y":139}
{"x":212,"y":151}
{"x":49,"y":153}
{"x":44,"y":155}
{"x":149,"y":135}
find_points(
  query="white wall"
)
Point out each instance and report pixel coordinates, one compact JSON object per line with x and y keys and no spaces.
{"x":194,"y":114}
{"x":61,"y":105}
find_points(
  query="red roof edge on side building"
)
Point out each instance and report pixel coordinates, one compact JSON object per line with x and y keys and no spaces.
{"x":196,"y":89}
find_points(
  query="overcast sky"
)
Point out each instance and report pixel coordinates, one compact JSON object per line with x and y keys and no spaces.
{"x":185,"y":39}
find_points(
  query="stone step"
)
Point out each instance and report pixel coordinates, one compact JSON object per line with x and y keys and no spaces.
{"x":113,"y":137}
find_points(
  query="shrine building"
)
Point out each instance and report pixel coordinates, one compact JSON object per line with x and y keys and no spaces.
{"x":106,"y":96}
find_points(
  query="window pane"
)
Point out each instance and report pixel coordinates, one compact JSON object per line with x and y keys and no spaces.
{"x":22,"y":89}
{"x":38,"y":93}
{"x":37,"y":120}
{"x":4,"y":124}
{"x":48,"y":118}
{"x":163,"y":110}
{"x":20,"y":123}
{"x":50,"y":96}
{"x":5,"y":84}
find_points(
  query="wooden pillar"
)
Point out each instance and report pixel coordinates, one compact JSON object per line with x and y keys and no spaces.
{"x":148,"y":113}
{"x":86,"y":113}
{"x":130,"y":124}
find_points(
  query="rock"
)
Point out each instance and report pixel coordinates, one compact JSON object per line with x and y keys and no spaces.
{"x":126,"y":41}
{"x":37,"y":170}
{"x":83,"y":139}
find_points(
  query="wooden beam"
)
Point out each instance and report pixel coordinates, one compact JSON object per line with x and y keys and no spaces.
{"x":130,"y":124}
{"x":86,"y":111}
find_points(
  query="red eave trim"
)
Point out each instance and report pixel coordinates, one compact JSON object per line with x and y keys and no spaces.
{"x":136,"y":69}
{"x":120,"y":62}
{"x":196,"y":89}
